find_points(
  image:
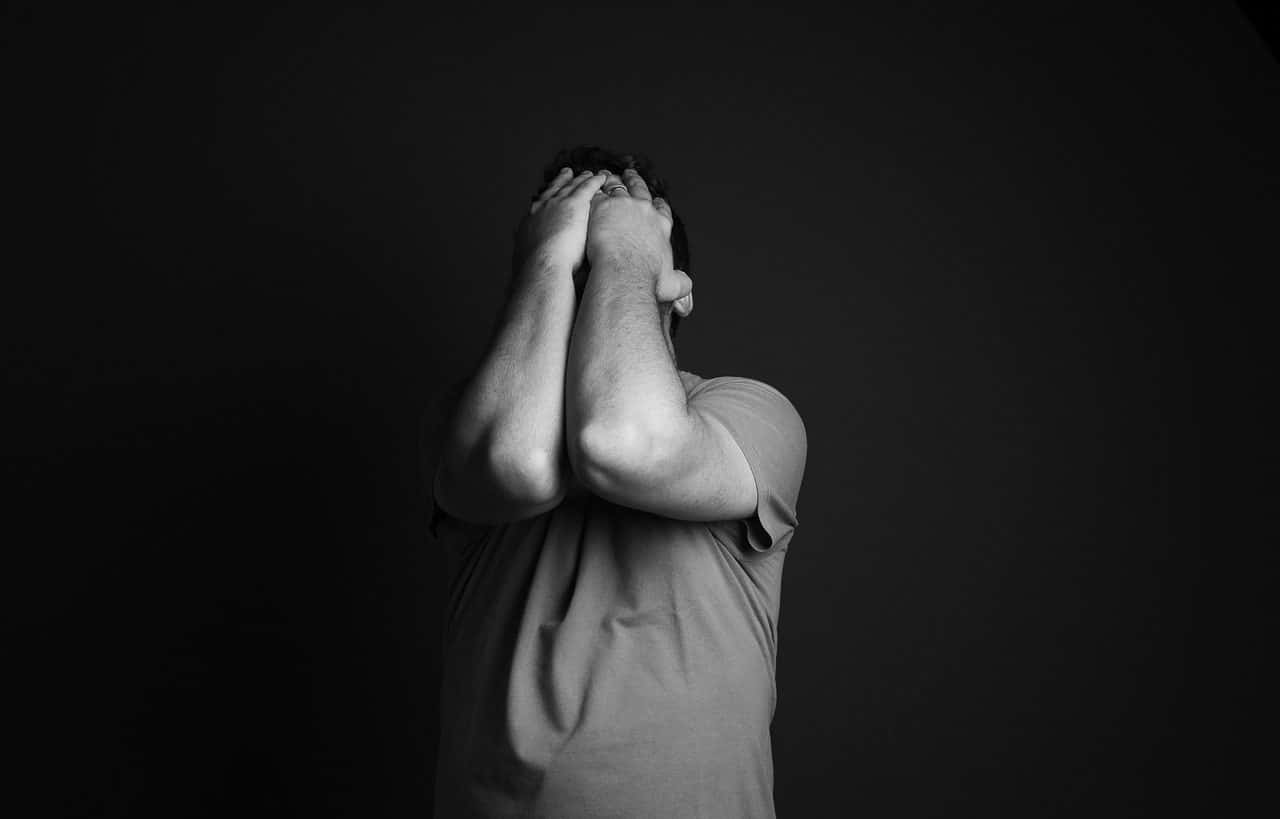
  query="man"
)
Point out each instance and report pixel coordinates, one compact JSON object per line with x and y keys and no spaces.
{"x":615,"y":529}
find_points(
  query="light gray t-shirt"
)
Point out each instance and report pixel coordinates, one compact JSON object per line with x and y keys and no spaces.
{"x":601,"y":661}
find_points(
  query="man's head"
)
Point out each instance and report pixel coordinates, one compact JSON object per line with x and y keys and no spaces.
{"x":594,"y":158}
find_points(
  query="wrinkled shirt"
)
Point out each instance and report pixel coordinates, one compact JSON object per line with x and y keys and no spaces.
{"x":602,"y":661}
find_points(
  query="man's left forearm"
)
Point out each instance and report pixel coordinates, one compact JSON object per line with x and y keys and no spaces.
{"x":622,"y":389}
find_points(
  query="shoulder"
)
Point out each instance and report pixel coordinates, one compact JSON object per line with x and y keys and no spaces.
{"x":741,"y":388}
{"x":758,"y":415}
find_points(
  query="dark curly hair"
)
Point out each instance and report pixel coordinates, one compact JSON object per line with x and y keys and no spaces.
{"x":594,"y":158}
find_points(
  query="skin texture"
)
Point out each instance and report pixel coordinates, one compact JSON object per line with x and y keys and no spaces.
{"x":557,"y":228}
{"x":621,"y":224}
{"x":579,"y":389}
{"x":554,"y":232}
{"x":503,"y":455}
{"x":633,"y":436}
{"x":626,"y":394}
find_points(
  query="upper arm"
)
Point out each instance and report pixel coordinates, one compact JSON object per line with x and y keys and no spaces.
{"x":473,"y":484}
{"x":738,"y":455}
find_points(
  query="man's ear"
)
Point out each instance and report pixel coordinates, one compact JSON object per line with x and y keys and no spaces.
{"x":684,"y":304}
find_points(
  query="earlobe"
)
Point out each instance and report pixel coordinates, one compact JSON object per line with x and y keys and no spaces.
{"x":684,"y":306}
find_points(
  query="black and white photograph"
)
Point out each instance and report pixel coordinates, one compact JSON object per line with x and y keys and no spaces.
{"x":514,"y":411}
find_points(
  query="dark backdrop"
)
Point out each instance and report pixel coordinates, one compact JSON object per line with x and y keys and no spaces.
{"x":983,"y":250}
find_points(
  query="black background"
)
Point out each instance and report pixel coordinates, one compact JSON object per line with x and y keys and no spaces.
{"x":1003,"y":259}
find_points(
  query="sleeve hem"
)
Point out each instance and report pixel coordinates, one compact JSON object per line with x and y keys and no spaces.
{"x":753,"y":413}
{"x":770,"y":525}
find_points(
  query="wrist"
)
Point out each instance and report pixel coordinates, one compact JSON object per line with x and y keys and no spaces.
{"x":630,"y":263}
{"x":541,"y":266}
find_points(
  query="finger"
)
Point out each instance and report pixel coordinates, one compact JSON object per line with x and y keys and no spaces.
{"x":636,"y":184}
{"x":572,"y":186}
{"x":668,"y":220}
{"x":604,"y":182}
{"x":604,"y":177}
{"x":557,"y":182}
{"x":614,"y":186}
{"x":587,"y":187}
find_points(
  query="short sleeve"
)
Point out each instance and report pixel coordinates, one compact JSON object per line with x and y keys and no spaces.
{"x":771,"y":434}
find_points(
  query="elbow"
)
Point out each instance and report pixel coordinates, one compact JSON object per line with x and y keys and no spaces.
{"x":601,"y":454}
{"x":528,"y":477}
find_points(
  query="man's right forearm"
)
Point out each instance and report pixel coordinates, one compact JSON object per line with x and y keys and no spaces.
{"x":512,"y":410}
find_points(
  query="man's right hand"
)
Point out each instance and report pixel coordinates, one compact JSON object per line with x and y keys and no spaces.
{"x":554,"y":231}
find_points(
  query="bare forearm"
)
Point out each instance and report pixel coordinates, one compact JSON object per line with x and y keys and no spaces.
{"x":513,"y":407}
{"x":621,"y":382}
